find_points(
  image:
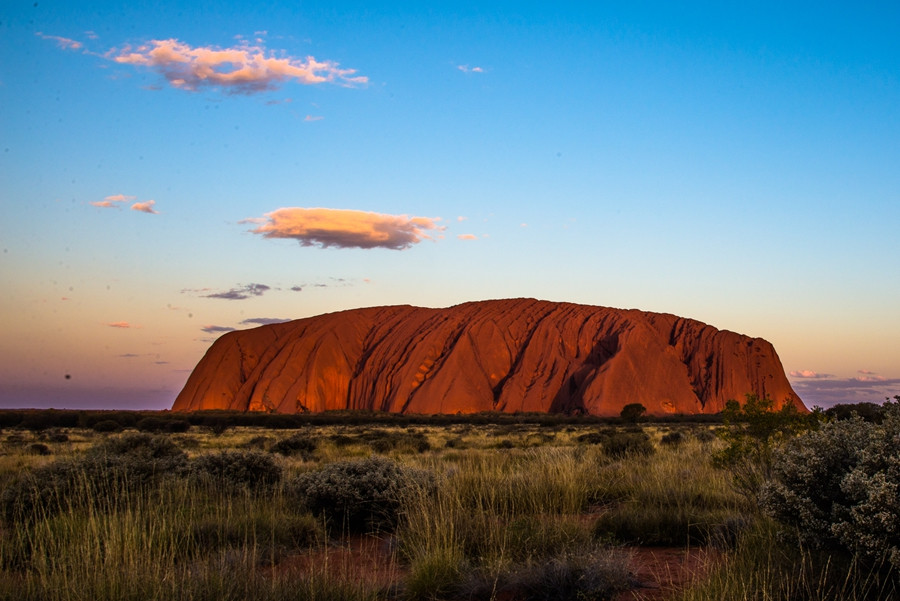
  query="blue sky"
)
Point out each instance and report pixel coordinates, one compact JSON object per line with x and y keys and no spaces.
{"x":736,"y":165}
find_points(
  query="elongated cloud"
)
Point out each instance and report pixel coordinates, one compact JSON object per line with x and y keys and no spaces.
{"x":243,"y":69}
{"x":121,"y":324}
{"x":263,"y":321}
{"x":342,"y":228}
{"x":145,"y":207}
{"x":468,"y":69}
{"x":467,"y":237}
{"x":64,"y":43}
{"x":111,"y":202}
{"x":211,"y":329}
{"x":241,"y":292}
{"x":809,"y":374}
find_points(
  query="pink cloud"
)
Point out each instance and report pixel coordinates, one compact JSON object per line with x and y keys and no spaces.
{"x":120,"y":198}
{"x":109,"y":202}
{"x":145,"y":207}
{"x":313,"y":118}
{"x":121,"y":324}
{"x":343,"y":228}
{"x":808,"y":374}
{"x":243,"y":69}
{"x":64,"y":43}
{"x":467,"y":237}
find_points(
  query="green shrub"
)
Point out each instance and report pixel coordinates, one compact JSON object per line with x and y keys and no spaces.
{"x":361,"y":494}
{"x":38,"y":448}
{"x":159,"y":424}
{"x":142,"y":455}
{"x":672,"y":438}
{"x":840,"y":486}
{"x":107,"y":425}
{"x":622,"y":444}
{"x":300,"y":443}
{"x":253,"y":470}
{"x":54,"y":435}
{"x":257,"y":442}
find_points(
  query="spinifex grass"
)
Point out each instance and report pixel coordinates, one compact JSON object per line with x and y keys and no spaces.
{"x":168,"y":541}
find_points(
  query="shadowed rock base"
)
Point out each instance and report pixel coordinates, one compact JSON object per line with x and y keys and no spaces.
{"x":501,"y":355}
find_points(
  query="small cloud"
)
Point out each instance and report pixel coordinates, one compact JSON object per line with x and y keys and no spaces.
{"x":523,"y":225}
{"x":111,"y":202}
{"x":468,"y":69}
{"x":461,"y":218}
{"x":264,"y":321}
{"x":243,"y":69}
{"x":64,"y":43}
{"x":313,"y":118}
{"x":129,"y":355}
{"x":467,"y":237}
{"x":296,"y":288}
{"x":121,"y":324}
{"x":120,"y":198}
{"x":145,"y":207}
{"x":343,"y":228}
{"x":870,"y":379}
{"x":808,"y":374}
{"x":91,"y":35}
{"x":241,"y":292}
{"x":865,"y":372}
{"x":214,"y":329}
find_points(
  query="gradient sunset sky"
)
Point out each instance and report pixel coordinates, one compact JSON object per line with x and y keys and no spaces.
{"x":172,"y":171}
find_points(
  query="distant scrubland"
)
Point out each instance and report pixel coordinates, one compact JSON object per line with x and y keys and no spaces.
{"x":212,"y":505}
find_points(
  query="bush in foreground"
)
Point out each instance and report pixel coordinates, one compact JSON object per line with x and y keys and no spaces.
{"x":234,"y":470}
{"x":840,"y":486}
{"x":360,"y":495}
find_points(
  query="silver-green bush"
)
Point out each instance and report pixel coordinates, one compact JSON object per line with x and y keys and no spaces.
{"x":840,"y":486}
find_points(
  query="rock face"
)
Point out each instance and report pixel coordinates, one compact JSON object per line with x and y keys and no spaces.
{"x":504,"y":355}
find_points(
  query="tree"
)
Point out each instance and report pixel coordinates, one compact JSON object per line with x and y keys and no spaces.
{"x":632,"y":412}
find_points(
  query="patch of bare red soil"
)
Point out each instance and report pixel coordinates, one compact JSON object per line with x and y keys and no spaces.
{"x":658,"y":572}
{"x":661,"y":572}
{"x":369,"y":559}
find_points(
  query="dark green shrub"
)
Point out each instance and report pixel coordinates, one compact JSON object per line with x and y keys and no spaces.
{"x":300,"y":443}
{"x":359,"y":495}
{"x":253,"y":470}
{"x":54,"y":435}
{"x":257,"y":442}
{"x":159,"y":424}
{"x":142,"y":454}
{"x":593,"y":438}
{"x":38,"y":448}
{"x":107,"y":425}
{"x":632,"y":412}
{"x":673,"y":438}
{"x":341,"y":440}
{"x":622,"y":444}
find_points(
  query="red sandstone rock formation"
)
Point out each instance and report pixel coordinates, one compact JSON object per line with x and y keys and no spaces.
{"x":504,"y":355}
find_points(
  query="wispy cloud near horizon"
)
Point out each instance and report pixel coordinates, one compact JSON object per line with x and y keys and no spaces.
{"x":242,"y":69}
{"x":241,"y":292}
{"x":212,"y":329}
{"x":345,"y":228}
{"x":264,"y":321}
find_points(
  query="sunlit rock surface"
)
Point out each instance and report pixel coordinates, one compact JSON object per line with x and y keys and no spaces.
{"x":502,"y":355}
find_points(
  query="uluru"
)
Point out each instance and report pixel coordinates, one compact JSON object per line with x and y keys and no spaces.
{"x":515,"y":355}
